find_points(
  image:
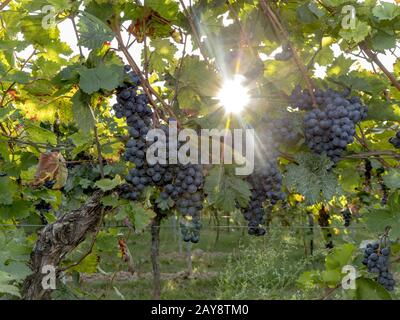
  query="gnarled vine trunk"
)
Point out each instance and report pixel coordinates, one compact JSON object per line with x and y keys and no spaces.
{"x":58,"y":239}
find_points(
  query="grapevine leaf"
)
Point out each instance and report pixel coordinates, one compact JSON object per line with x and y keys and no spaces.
{"x":93,"y":31}
{"x":139,"y":216}
{"x":382,"y":41}
{"x":164,"y":204}
{"x":82,"y":113}
{"x":340,"y":256}
{"x":386,"y":11}
{"x":7,"y":190}
{"x":108,"y":184}
{"x":368,"y":289}
{"x":377,"y":219}
{"x":19,"y":209}
{"x":18,"y":77}
{"x":166,"y":8}
{"x":162,"y":54}
{"x":313,"y":178}
{"x":41,"y":135}
{"x":104,"y":76}
{"x":358,"y":34}
{"x":392,"y":179}
{"x":224,"y":190}
{"x":88,"y":81}
{"x":88,"y":265}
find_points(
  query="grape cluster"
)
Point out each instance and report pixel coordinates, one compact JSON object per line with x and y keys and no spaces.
{"x":331,"y":127}
{"x":138,"y":115}
{"x":395,"y":141}
{"x":282,"y":130}
{"x":346,"y":217}
{"x":266,"y":183}
{"x":301,"y":99}
{"x":186,"y":191}
{"x":376,"y":259}
{"x":285,"y":54}
{"x":181,"y":183}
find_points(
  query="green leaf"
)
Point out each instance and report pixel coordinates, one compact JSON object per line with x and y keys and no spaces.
{"x":313,"y":178}
{"x":139,"y":216}
{"x":82,"y":114}
{"x":88,"y":265}
{"x":367,"y":289}
{"x":166,"y":8}
{"x":88,"y":81}
{"x":377,"y":219}
{"x":340,"y":256}
{"x":164,"y":204}
{"x":41,"y":135}
{"x":19,"y":209}
{"x":93,"y":32}
{"x":386,"y":11}
{"x":7,"y":190}
{"x":108,"y":184}
{"x":162,"y":55}
{"x":392,"y":178}
{"x":382,"y":41}
{"x":331,"y":277}
{"x":110,"y":201}
{"x":341,"y":65}
{"x":358,"y":34}
{"x":225,"y":190}
{"x":104,"y":76}
{"x":18,"y":77}
{"x":325,"y":56}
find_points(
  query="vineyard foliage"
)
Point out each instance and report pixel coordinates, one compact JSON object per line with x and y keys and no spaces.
{"x":61,"y":140}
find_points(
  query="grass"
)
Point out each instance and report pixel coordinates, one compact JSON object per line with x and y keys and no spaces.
{"x":237,"y":266}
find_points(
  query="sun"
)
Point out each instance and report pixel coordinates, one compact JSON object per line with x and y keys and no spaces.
{"x":234,"y":96}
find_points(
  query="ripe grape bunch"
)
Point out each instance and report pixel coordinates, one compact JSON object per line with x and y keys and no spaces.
{"x":281,"y":130}
{"x":185,"y":188}
{"x":266,"y":183}
{"x":395,"y":141}
{"x":134,"y":106}
{"x":376,"y":258}
{"x":187,"y":192}
{"x":331,"y":127}
{"x":181,"y":183}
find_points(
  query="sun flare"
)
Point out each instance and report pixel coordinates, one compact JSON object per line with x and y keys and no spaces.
{"x":234,"y":96}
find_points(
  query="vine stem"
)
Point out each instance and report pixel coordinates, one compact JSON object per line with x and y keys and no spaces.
{"x":145,"y":84}
{"x":363,"y":46}
{"x":179,"y":71}
{"x":77,"y":36}
{"x":4,"y":4}
{"x":196,"y":35}
{"x":277,"y":25}
{"x":98,"y":144}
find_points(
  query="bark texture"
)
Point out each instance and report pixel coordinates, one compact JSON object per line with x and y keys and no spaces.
{"x":58,"y":239}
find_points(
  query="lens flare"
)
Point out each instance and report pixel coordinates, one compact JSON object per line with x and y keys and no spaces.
{"x":234,"y":96}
